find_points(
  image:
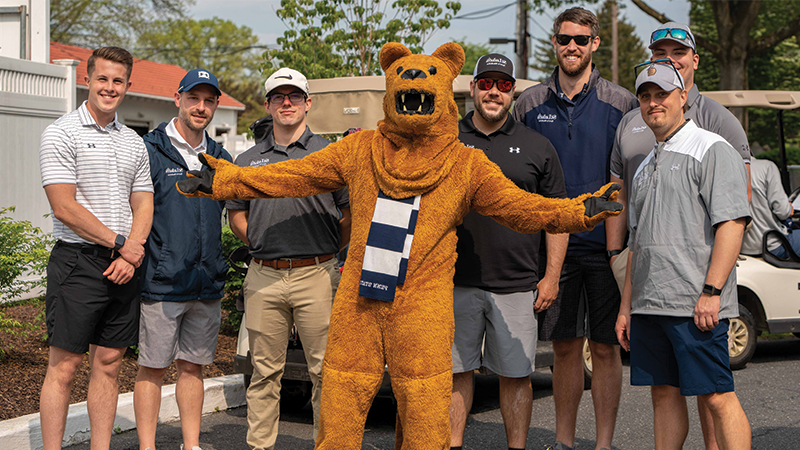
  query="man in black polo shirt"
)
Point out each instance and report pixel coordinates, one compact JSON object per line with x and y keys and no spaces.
{"x":294,"y":275}
{"x":497,"y":290}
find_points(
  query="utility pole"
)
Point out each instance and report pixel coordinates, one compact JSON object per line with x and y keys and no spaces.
{"x":614,"y":44}
{"x":522,"y":39}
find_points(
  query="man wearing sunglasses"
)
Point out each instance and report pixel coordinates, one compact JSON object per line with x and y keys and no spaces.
{"x":293,"y":276}
{"x":579,"y":111}
{"x":497,"y":288}
{"x":634,"y":140}
{"x":680,"y":286}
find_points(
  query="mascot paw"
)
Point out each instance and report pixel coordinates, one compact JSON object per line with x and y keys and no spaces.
{"x":603,"y":201}
{"x":199,"y":182}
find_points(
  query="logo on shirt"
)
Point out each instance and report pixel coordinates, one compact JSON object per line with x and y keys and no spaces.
{"x":173,"y":171}
{"x":675,"y":167}
{"x":546,"y":118}
{"x":91,"y":146}
{"x":638,"y":129}
{"x":513,"y":149}
{"x":259,"y":162}
{"x":469,"y":145}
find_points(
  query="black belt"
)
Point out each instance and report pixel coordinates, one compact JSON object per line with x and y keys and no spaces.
{"x":91,"y":249}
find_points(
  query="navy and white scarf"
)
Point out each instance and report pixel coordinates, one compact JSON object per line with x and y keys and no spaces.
{"x":388,"y":246}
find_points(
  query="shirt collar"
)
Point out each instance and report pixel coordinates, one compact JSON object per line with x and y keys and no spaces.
{"x":679,"y":133}
{"x":466,"y":125}
{"x":692,"y":97}
{"x":87,"y":120}
{"x":301,"y":142}
{"x":172,"y":133}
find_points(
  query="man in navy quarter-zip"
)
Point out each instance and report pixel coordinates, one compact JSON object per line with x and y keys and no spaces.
{"x":578,"y":111}
{"x":184,"y":268}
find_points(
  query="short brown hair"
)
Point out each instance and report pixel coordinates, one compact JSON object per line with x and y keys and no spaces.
{"x":113,"y":54}
{"x":581,"y":17}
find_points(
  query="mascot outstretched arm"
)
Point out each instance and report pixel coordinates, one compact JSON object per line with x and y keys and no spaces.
{"x":411,"y":182}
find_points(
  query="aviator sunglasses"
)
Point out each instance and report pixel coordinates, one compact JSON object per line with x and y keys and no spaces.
{"x":664,"y":61}
{"x":677,"y":33}
{"x":580,"y":39}
{"x":485,"y":84}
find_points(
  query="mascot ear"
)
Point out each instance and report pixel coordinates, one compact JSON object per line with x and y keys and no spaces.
{"x":453,"y":55}
{"x":391,"y":52}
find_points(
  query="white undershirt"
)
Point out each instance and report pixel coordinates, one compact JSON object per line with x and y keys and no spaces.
{"x":188,"y":152}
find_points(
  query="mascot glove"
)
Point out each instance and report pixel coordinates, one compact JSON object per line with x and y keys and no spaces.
{"x":602,"y":204}
{"x":200,"y":183}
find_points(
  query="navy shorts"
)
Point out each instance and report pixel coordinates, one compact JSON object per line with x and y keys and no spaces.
{"x":84,"y":307}
{"x":673,"y":351}
{"x":588,"y":301}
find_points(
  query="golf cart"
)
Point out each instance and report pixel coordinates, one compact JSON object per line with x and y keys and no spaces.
{"x":338,"y":105}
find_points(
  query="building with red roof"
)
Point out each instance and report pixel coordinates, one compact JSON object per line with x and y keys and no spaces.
{"x":150,"y":99}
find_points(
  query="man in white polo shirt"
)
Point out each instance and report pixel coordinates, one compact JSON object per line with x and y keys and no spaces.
{"x":184,"y":268}
{"x":96,"y":175}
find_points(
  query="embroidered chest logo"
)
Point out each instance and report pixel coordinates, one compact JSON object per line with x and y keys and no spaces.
{"x":173,"y":171}
{"x":513,"y":149}
{"x":91,"y":146}
{"x":469,"y":145}
{"x":546,"y":118}
{"x":675,"y":167}
{"x":638,"y":129}
{"x":259,"y":162}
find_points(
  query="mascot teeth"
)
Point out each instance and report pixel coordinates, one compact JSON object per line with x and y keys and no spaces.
{"x":414,"y":102}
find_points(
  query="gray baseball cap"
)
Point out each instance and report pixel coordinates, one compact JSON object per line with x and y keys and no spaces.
{"x":662,"y":74}
{"x":673,"y":31}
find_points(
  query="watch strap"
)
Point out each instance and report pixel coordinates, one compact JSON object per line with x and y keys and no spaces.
{"x":611,"y":253}
{"x":711,"y":290}
{"x":119,"y":242}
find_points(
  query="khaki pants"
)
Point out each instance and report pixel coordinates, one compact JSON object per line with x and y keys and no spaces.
{"x":276,"y":299}
{"x":619,"y":267}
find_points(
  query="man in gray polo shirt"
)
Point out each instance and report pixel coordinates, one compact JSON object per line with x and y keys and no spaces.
{"x":687,"y":212}
{"x":634,"y":140}
{"x":294,"y":275}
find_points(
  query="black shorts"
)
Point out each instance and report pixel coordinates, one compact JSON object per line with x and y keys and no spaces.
{"x":588,"y":301}
{"x":83,"y":307}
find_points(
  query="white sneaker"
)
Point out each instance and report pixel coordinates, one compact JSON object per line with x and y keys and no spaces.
{"x":193,"y":448}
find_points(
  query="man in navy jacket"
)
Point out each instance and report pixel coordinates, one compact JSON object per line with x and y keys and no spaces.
{"x":184,"y":268}
{"x":578,"y":111}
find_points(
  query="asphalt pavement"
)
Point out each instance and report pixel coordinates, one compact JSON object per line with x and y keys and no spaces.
{"x":769,"y":390}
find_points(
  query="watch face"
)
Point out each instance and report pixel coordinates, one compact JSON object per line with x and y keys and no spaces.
{"x":119,"y":242}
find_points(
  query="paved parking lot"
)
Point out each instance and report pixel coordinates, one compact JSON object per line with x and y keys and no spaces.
{"x":769,"y":389}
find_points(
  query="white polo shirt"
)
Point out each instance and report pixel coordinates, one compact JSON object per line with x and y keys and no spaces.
{"x":188,"y":152}
{"x":105,"y":164}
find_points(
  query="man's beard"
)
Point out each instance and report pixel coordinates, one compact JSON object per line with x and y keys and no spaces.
{"x":583,"y":63}
{"x":186,"y":118}
{"x":489,"y":117}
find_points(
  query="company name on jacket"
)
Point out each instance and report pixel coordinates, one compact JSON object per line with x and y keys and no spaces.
{"x":173,"y":171}
{"x":546,"y":118}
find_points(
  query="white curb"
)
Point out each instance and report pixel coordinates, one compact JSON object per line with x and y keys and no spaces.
{"x":25,"y":433}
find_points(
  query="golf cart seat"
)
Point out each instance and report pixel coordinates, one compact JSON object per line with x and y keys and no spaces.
{"x":793,"y":262}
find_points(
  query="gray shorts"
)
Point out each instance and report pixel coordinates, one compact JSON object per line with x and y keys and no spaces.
{"x":509,"y":325}
{"x":178,"y":330}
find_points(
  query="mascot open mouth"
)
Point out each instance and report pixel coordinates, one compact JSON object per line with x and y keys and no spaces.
{"x":414,"y":102}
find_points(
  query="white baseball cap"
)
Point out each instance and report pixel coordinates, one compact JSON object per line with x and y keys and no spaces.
{"x":286,"y":77}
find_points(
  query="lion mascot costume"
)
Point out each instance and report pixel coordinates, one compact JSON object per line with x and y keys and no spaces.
{"x":411,"y":182}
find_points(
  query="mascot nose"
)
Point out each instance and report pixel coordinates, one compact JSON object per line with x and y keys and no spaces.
{"x":412,"y":74}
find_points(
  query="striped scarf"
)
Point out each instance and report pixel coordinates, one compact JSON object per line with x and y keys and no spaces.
{"x":388,"y":246}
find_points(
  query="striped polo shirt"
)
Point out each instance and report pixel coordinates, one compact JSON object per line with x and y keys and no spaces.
{"x":105,"y":164}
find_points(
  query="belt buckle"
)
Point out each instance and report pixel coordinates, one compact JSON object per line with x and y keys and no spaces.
{"x":290,"y":264}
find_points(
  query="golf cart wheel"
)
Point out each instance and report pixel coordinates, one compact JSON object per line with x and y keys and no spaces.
{"x":587,"y":364}
{"x":796,"y":334}
{"x":295,"y":395}
{"x":741,"y":339}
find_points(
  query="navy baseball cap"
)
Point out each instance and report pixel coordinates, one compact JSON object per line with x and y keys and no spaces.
{"x":196,"y":77}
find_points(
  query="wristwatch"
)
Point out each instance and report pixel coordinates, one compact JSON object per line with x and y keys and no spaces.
{"x":119,"y":242}
{"x":610,"y":253}
{"x":711,"y":290}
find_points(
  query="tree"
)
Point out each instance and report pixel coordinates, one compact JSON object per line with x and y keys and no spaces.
{"x":737,"y":38}
{"x":231,"y":52}
{"x":472,"y":53}
{"x":328,"y":38}
{"x":95,"y":23}
{"x":631,"y":50}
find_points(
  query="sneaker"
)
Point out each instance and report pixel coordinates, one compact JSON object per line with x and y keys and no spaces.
{"x":559,"y":446}
{"x":193,"y":448}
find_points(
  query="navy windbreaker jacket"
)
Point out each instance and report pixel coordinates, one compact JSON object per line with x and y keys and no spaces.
{"x":183,"y":254}
{"x":583,"y":138}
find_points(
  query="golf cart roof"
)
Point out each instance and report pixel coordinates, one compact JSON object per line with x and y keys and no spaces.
{"x":357,"y":102}
{"x":756,"y":99}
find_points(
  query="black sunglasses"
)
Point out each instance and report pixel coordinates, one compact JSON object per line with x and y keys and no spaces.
{"x":664,"y":61}
{"x":580,"y":39}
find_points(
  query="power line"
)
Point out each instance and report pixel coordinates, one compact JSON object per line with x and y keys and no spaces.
{"x":484,"y":13}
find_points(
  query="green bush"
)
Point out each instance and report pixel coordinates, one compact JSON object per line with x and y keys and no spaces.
{"x":24,"y":249}
{"x":774,"y":155}
{"x":233,"y":281}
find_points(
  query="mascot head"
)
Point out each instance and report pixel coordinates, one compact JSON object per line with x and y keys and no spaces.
{"x":419,"y":89}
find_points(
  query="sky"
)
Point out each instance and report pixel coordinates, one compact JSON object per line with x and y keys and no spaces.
{"x":260,"y":16}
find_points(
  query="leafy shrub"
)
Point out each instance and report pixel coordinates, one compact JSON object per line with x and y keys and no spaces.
{"x":233,"y":281}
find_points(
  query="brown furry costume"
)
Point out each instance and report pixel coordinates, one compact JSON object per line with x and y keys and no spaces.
{"x":409,"y":154}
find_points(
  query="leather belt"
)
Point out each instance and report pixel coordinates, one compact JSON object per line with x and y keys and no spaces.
{"x":293,"y":263}
{"x":91,"y":249}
